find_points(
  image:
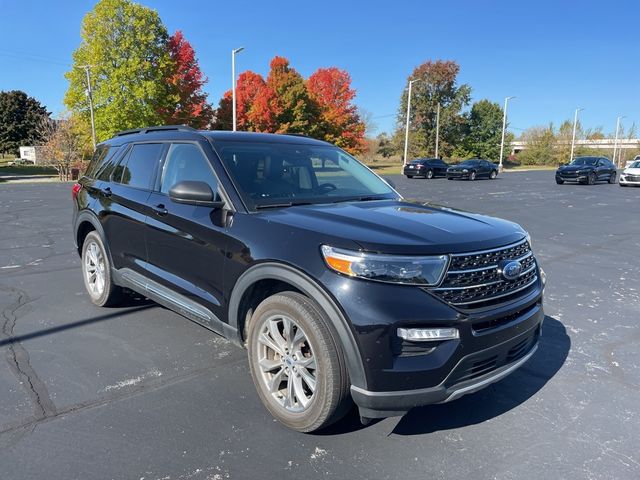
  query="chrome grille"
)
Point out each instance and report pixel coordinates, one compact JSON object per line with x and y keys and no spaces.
{"x":474,"y":279}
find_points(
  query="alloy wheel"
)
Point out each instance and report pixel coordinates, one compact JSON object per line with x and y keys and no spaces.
{"x":287,"y":363}
{"x":94,"y":269}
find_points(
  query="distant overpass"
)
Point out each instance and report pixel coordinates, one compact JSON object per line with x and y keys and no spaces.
{"x":602,"y":144}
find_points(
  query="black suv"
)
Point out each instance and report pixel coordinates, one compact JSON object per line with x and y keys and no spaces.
{"x":472,"y":169}
{"x":339,"y":289}
{"x":587,"y":170}
{"x":426,"y":167}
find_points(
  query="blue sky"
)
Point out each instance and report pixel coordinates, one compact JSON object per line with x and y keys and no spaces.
{"x":553,"y":55}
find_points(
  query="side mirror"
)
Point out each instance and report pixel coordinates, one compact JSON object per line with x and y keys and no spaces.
{"x":195,"y":193}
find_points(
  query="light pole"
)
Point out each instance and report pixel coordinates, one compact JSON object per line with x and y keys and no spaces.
{"x":87,"y":69}
{"x":233,"y":82}
{"x":573,"y":138}
{"x":504,"y":128}
{"x":406,"y":131}
{"x":615,"y":142}
{"x":437,"y":128}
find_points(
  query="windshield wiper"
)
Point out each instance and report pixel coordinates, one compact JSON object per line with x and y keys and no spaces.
{"x":283,"y":204}
{"x":365,"y":198}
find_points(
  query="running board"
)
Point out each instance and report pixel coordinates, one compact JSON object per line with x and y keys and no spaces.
{"x":174,"y":301}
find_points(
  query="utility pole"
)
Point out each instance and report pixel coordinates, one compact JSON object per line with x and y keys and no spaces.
{"x":406,"y":131}
{"x":87,"y":69}
{"x":233,"y":82}
{"x":573,"y":138}
{"x":437,"y":129}
{"x":615,"y":142}
{"x":504,"y":127}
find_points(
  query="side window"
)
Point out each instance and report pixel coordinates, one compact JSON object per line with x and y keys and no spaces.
{"x":97,"y":159}
{"x":138,"y":168}
{"x":185,"y":161}
{"x":104,"y":169}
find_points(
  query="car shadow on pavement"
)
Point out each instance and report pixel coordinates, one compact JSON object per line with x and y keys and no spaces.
{"x":498,"y":398}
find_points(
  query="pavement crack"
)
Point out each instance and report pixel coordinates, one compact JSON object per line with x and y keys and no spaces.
{"x":18,"y":357}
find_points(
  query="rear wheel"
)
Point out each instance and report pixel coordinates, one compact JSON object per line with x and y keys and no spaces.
{"x":96,"y":271}
{"x":429,"y":174}
{"x":612,"y":178}
{"x":409,"y":176}
{"x":296,"y":363}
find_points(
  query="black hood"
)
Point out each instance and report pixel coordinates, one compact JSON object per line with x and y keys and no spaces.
{"x":575,"y":168}
{"x":399,"y":227}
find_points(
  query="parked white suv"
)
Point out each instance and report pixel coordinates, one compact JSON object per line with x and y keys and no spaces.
{"x":631,"y":174}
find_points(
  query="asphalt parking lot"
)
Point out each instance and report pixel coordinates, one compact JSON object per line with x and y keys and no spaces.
{"x":140,"y":392}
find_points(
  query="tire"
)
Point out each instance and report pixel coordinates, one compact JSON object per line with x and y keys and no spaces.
{"x":472,"y":176}
{"x":591,"y":180}
{"x":449,"y":178}
{"x":493,"y":175}
{"x":96,"y":272}
{"x":409,"y":176}
{"x":294,"y":402}
{"x":612,"y":178}
{"x":429,"y":175}
{"x":622,"y":184}
{"x":559,"y":181}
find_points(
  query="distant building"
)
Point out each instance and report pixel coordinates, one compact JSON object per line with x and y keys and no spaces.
{"x":31,"y":154}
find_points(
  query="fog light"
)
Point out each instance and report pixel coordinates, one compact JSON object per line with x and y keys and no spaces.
{"x":543,"y":278}
{"x":428,"y":334}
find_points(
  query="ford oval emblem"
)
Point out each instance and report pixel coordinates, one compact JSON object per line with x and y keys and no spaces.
{"x":511,"y":269}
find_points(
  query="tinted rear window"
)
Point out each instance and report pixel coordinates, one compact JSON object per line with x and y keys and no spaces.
{"x":138,"y":168}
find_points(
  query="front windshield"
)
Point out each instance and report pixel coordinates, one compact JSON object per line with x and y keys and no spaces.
{"x":585,"y":161}
{"x":274,"y":174}
{"x":635,"y":165}
{"x":468,"y":163}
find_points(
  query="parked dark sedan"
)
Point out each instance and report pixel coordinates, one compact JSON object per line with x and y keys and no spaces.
{"x":472,"y":169}
{"x":587,"y":170}
{"x":426,"y":167}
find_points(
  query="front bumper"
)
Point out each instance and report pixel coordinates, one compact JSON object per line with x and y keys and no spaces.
{"x":396,"y":403}
{"x":629,"y":179}
{"x":462,"y":175}
{"x":582,"y":177}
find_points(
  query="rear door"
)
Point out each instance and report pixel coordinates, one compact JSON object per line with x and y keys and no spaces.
{"x":124,"y":204}
{"x":187,"y":243}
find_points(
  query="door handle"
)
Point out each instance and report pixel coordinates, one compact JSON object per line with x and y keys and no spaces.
{"x":106,"y":192}
{"x":160,"y":209}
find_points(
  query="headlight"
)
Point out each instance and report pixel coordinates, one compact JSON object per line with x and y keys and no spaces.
{"x":529,"y":239}
{"x":464,"y":170}
{"x":412,"y":270}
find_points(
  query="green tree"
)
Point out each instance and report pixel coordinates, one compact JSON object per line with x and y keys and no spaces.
{"x":540,"y":150}
{"x":484,"y":131}
{"x":385,"y":147}
{"x":20,"y":116}
{"x":126,"y":47}
{"x":437,"y":84}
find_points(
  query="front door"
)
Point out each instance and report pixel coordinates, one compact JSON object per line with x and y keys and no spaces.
{"x":187,"y":243}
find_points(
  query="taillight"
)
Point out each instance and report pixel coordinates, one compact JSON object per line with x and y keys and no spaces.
{"x":75,"y":190}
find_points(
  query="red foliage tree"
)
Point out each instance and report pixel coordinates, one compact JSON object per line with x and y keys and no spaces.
{"x":191,"y":106}
{"x":331,"y":89}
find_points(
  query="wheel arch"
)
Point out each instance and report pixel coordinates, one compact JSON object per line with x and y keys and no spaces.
{"x":301,"y":282}
{"x":87,"y":222}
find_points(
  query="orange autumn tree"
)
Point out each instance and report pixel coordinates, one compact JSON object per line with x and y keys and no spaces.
{"x":186,"y":82}
{"x":331,"y":89}
{"x":321,"y":107}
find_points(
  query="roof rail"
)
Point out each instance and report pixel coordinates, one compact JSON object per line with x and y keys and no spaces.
{"x":162,"y":128}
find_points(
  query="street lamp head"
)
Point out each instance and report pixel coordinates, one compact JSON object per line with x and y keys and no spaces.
{"x":238,"y":50}
{"x":510,"y":98}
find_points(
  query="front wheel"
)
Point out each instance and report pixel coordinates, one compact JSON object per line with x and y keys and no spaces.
{"x":591,"y":180}
{"x":296,"y":363}
{"x":612,"y":178}
{"x":96,"y":271}
{"x":472,"y":176}
{"x":559,"y":181}
{"x":493,"y":175}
